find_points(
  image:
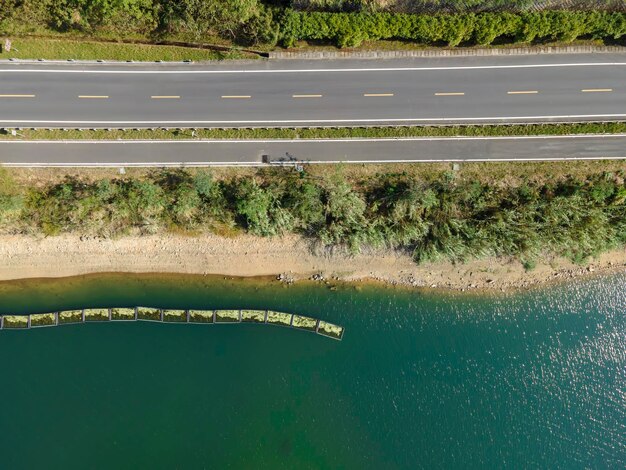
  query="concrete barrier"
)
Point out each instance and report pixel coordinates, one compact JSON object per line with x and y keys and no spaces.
{"x":444,"y":52}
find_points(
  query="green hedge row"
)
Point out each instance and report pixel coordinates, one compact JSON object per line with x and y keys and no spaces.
{"x":350,"y":29}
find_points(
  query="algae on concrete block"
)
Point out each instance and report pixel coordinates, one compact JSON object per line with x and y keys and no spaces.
{"x":15,"y":321}
{"x":226,"y":316}
{"x":279,"y":318}
{"x":42,"y":319}
{"x":175,"y":316}
{"x":70,"y":316}
{"x":330,"y":330}
{"x":148,"y":313}
{"x":201,"y":316}
{"x":304,"y":323}
{"x":96,"y":314}
{"x":122,"y":314}
{"x":253,"y":316}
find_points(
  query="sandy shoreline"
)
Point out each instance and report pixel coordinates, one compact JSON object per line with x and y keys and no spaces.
{"x":291,"y":258}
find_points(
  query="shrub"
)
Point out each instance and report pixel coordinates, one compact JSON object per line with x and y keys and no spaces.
{"x":440,"y":219}
{"x":350,"y":29}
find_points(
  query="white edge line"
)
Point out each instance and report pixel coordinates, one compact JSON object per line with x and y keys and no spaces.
{"x":331,"y":140}
{"x":459,"y":120}
{"x":325,"y":70}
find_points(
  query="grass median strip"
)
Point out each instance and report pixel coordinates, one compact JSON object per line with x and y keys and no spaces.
{"x":318,"y":133}
{"x":78,"y":49}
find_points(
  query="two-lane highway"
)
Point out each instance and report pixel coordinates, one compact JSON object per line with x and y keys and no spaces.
{"x":270,"y":94}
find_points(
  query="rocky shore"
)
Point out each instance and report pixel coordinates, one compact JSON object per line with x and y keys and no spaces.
{"x":287,"y":259}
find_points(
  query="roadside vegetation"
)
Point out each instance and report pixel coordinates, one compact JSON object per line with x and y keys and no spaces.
{"x":439,"y":216}
{"x":319,"y":132}
{"x":454,"y":6}
{"x":484,"y":29}
{"x":267,"y":24}
{"x":61,"y":49}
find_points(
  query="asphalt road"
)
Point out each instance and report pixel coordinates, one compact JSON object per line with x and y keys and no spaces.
{"x":262,"y":93}
{"x":201,"y":153}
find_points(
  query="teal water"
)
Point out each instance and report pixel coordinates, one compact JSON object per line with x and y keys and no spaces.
{"x":534,"y":380}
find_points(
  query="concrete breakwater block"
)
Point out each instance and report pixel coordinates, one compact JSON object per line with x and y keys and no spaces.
{"x":253,"y":316}
{"x":17,"y":322}
{"x":96,"y":314}
{"x":330,"y":330}
{"x":70,"y":316}
{"x":279,"y":318}
{"x":122,"y":314}
{"x":304,"y":323}
{"x":175,"y":316}
{"x":227,"y":316}
{"x":43,"y":319}
{"x":148,"y":314}
{"x":201,"y":316}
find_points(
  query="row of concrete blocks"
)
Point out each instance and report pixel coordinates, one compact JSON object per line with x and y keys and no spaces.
{"x":270,"y":317}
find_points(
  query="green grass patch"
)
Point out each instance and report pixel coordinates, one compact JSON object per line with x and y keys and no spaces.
{"x":321,"y":133}
{"x":64,"y":49}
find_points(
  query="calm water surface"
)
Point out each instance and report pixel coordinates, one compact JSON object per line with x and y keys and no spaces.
{"x":535,"y":380}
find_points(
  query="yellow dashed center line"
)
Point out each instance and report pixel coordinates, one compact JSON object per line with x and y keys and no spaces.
{"x":455,"y":93}
{"x":93,"y":97}
{"x":17,"y":96}
{"x":235,"y":97}
{"x":596,"y":90}
{"x":306,"y":96}
{"x":165,"y":97}
{"x":370,"y":95}
{"x":522,"y":92}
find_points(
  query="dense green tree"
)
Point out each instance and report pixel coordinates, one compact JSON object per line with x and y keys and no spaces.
{"x":345,"y":215}
{"x":260,"y":208}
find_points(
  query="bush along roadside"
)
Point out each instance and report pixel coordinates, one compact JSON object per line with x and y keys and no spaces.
{"x":351,"y":29}
{"x":321,"y":132}
{"x":252,"y":23}
{"x":439,"y":218}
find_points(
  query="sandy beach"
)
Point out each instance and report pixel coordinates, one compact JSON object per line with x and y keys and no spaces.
{"x":289,"y":258}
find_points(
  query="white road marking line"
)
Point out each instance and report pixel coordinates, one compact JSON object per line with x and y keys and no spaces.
{"x":377,"y":94}
{"x":306,"y":96}
{"x":226,"y":97}
{"x":596,"y":90}
{"x":165,"y":97}
{"x":318,"y":121}
{"x":522,"y":92}
{"x":17,"y":96}
{"x":455,"y":93}
{"x":324,"y":70}
{"x":95,"y":97}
